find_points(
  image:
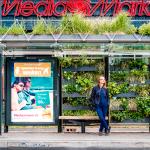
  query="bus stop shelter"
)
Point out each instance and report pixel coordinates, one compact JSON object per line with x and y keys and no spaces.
{"x":108,"y":46}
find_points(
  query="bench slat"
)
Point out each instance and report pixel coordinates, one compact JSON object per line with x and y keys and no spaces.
{"x":80,"y":117}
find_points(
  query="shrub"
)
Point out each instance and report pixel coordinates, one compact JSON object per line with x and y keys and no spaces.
{"x":75,"y":23}
{"x":50,"y":29}
{"x":17,"y":29}
{"x":131,"y":29}
{"x":121,"y":22}
{"x":3,"y":30}
{"x":103,"y":26}
{"x":39,"y":27}
{"x":145,"y":29}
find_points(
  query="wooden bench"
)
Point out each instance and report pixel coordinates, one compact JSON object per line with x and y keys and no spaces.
{"x":82,"y":119}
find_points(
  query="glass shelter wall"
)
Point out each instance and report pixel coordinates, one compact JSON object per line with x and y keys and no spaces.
{"x":129,"y":74}
{"x":129,"y":78}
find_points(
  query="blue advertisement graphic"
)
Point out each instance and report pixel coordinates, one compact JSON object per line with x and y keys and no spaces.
{"x":31,"y":96}
{"x":42,"y":98}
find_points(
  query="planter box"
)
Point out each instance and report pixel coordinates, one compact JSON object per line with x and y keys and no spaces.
{"x":126,"y":95}
{"x":82,"y":68}
{"x":73,"y":95}
{"x":103,"y":38}
{"x":70,"y":107}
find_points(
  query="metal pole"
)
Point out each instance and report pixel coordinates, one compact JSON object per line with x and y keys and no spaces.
{"x":106,"y":59}
{"x":1,"y":102}
{"x":107,"y":78}
{"x":5,"y":94}
{"x":60,"y":99}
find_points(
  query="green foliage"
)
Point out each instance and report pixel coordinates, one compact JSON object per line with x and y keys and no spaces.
{"x":115,"y":88}
{"x":75,"y":23}
{"x":16,"y":29}
{"x":144,"y":29}
{"x":3,"y":30}
{"x":119,"y":76}
{"x":50,"y":29}
{"x":78,"y":62}
{"x":84,"y":82}
{"x":79,"y":82}
{"x":102,"y":26}
{"x":138,"y":63}
{"x":131,"y":29}
{"x":79,"y":113}
{"x":68,"y":75}
{"x":141,"y":90}
{"x":41,"y":27}
{"x":135,"y":115}
{"x":136,"y":73}
{"x":119,"y":115}
{"x":143,"y":109}
{"x":65,"y":61}
{"x":124,"y":104}
{"x":143,"y":105}
{"x":120,"y":24}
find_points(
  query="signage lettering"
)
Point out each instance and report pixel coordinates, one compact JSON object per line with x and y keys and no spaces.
{"x":61,"y":7}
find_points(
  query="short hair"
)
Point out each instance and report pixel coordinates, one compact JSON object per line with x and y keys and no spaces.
{"x":17,"y":81}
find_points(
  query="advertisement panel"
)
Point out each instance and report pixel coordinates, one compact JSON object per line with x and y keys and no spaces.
{"x":32,"y":91}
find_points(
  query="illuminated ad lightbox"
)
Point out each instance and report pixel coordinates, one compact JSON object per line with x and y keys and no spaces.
{"x":32,"y":92}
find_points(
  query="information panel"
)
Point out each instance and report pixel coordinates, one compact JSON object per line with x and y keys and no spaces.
{"x":32,"y":91}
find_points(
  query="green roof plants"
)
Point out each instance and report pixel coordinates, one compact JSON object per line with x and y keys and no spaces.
{"x":16,"y":29}
{"x":41,"y":27}
{"x":78,"y":24}
{"x":102,"y":26}
{"x":3,"y":30}
{"x":145,"y":29}
{"x":120,"y":24}
{"x":75,"y":23}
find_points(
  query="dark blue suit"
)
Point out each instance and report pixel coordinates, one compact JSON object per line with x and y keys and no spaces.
{"x":100,"y":99}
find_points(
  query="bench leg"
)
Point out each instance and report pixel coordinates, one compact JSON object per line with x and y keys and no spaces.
{"x":6,"y":129}
{"x":59,"y":126}
{"x":82,"y":127}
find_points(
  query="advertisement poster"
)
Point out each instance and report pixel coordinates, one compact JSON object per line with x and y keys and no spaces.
{"x":32,"y":92}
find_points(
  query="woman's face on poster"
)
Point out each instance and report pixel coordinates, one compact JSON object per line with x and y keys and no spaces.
{"x":19,"y":86}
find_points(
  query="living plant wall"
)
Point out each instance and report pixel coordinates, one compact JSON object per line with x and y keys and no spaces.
{"x":79,"y":76}
{"x":130,"y":88}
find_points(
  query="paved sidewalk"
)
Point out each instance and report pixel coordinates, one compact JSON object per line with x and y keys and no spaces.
{"x":37,"y":140}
